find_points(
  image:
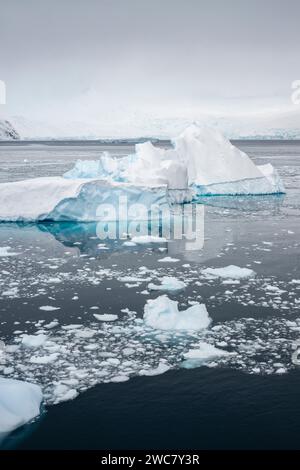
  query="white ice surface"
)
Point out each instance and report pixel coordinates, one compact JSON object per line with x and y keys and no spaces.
{"x":205,"y":352}
{"x":229,"y":272}
{"x":19,"y":403}
{"x":168,"y":283}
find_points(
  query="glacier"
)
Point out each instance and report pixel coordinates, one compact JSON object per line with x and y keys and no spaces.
{"x":201,"y":162}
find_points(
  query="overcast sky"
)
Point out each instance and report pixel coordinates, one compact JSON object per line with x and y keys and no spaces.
{"x":81,"y":56}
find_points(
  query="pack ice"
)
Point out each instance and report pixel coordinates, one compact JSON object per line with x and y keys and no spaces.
{"x":200,"y":162}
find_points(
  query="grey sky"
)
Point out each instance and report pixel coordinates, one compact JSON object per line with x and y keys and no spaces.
{"x":61,"y":56}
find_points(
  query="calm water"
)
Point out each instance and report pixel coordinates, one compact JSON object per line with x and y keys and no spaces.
{"x":247,"y":400}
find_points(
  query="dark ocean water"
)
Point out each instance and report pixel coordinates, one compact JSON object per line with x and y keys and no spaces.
{"x":249,"y":401}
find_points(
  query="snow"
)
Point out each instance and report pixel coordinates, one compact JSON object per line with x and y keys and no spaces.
{"x":229,"y":272}
{"x":19,"y":403}
{"x":168,"y":283}
{"x":163,"y":314}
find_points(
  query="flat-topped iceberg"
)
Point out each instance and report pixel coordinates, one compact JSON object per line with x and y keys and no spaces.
{"x":19,"y":403}
{"x":60,"y":199}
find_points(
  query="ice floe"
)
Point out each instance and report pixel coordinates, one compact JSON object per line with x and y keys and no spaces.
{"x":162,"y":313}
{"x":168,"y":283}
{"x":229,"y":272}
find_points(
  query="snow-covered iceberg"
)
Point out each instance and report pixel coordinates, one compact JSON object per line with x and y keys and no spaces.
{"x":19,"y":403}
{"x":201,"y":159}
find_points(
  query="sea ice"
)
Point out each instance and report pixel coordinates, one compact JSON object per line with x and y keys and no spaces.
{"x":105,"y":317}
{"x":33,"y":341}
{"x":5,"y":251}
{"x":163,"y":314}
{"x":205,"y":352}
{"x":19,"y":403}
{"x":229,"y":272}
{"x":168,"y":283}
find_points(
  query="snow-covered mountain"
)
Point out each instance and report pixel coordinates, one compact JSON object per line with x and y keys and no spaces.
{"x":133,"y":124}
{"x":7,"y":131}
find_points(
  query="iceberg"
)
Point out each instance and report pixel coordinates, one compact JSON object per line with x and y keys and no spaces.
{"x":162,"y":313}
{"x":60,"y":199}
{"x":19,"y":403}
{"x":200,"y":160}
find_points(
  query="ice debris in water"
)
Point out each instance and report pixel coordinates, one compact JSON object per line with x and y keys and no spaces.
{"x":105,"y":317}
{"x":168,"y":283}
{"x":229,"y":272}
{"x":19,"y":403}
{"x":162,"y":313}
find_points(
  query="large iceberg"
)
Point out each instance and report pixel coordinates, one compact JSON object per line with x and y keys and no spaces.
{"x":201,"y":162}
{"x":200,"y":159}
{"x":19,"y":403}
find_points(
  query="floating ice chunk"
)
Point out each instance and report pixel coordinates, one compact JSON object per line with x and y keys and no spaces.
{"x":168,"y":283}
{"x":33,"y":341}
{"x":229,"y":272}
{"x":160,"y":369}
{"x":19,"y":403}
{"x":168,"y":259}
{"x":119,"y":378}
{"x":43,"y":359}
{"x":49,"y":308}
{"x":163,"y":314}
{"x":145,"y":239}
{"x":105,"y":317}
{"x":204,"y":353}
{"x":5,"y":251}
